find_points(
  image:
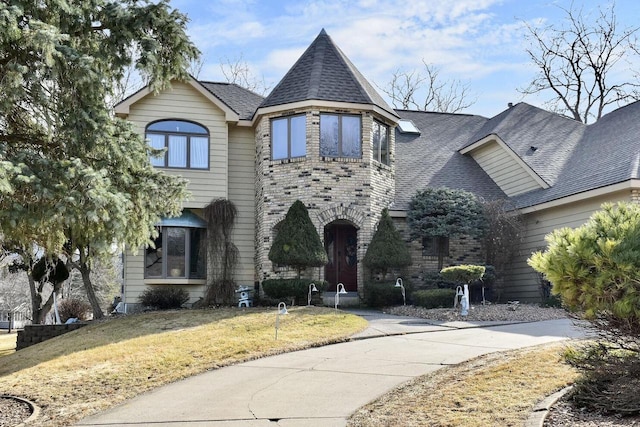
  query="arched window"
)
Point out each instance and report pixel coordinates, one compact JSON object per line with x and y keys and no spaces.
{"x":186,"y":144}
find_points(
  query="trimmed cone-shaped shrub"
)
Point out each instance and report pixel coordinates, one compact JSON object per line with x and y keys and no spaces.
{"x":297,"y":242}
{"x":387,"y":249}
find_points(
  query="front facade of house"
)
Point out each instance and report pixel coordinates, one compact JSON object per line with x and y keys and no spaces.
{"x":325,"y":136}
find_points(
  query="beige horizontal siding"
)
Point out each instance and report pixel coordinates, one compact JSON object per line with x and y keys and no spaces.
{"x":242,"y":194}
{"x":184,"y":102}
{"x":522,"y":281}
{"x":504,"y":170}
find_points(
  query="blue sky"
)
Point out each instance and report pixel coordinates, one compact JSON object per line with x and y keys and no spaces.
{"x":479,"y":42}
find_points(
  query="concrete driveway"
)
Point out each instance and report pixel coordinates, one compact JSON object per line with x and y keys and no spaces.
{"x":323,"y":386}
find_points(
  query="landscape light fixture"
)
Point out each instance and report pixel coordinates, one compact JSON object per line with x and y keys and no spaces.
{"x":312,"y":288}
{"x":401,"y":286}
{"x":339,"y":290}
{"x":282,"y":309}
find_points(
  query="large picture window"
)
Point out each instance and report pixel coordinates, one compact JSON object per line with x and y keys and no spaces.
{"x":340,"y":136}
{"x":288,"y":137}
{"x":380,"y":142}
{"x":186,"y":144}
{"x":180,"y":251}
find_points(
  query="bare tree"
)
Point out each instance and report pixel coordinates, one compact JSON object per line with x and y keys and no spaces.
{"x":426,"y":91}
{"x":580,"y":61}
{"x":237,"y":71}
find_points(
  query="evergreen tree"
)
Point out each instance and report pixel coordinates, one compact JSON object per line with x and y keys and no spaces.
{"x":297,"y":242}
{"x":443,"y":212}
{"x":74,"y":179}
{"x":387,"y":249}
{"x":595,"y":268}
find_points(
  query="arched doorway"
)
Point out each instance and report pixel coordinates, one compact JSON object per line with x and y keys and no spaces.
{"x":341,"y":243}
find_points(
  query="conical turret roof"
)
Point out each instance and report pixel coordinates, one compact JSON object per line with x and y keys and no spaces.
{"x":324,"y":72}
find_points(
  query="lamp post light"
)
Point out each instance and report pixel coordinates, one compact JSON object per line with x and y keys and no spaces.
{"x":401,"y":286}
{"x":312,"y":288}
{"x":282,"y":309}
{"x":339,"y":290}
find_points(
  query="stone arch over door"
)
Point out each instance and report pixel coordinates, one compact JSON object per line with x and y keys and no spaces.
{"x":342,"y":231}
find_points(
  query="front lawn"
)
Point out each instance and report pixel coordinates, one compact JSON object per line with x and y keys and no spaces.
{"x":104,"y":364}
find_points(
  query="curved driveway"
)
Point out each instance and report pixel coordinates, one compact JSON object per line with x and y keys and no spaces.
{"x":323,"y":386}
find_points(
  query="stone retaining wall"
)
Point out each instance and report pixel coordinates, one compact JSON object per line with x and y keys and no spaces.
{"x":33,"y":334}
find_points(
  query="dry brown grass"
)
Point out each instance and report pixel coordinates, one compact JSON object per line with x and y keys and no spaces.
{"x":7,"y":343}
{"x":101,"y":365}
{"x":493,"y":390}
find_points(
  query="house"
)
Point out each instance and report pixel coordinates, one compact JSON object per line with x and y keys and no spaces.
{"x":326,"y":137}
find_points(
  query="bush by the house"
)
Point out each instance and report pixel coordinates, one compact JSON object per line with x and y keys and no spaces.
{"x":434,"y":280}
{"x":163,"y":297}
{"x":387,"y":250}
{"x":384,"y":294}
{"x":291,"y":289}
{"x":434,"y":298}
{"x":73,"y":308}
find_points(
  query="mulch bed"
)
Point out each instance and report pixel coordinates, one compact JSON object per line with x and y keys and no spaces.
{"x":13,"y":411}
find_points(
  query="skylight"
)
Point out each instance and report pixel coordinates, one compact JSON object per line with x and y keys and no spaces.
{"x":407,"y":126}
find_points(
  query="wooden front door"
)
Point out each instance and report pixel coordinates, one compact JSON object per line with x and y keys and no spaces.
{"x":341,"y":243}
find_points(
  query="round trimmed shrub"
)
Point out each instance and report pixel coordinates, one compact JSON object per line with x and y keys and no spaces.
{"x":164,"y":297}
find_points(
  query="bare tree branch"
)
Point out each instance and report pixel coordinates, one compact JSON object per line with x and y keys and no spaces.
{"x":425,"y":91}
{"x":578,"y":62}
{"x":237,"y":71}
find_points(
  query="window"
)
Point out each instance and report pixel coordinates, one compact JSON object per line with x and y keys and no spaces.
{"x":380,"y":142}
{"x":340,"y":136}
{"x":407,"y":126}
{"x":288,"y":137}
{"x":179,"y":251}
{"x":435,"y":246}
{"x":186,"y":144}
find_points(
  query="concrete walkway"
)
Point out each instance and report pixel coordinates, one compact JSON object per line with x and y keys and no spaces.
{"x":323,"y":386}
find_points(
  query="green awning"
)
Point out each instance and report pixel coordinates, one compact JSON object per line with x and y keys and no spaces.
{"x":188,"y":219}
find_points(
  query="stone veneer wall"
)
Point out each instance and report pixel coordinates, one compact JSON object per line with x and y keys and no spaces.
{"x":463,"y":250}
{"x":355,"y":190}
{"x":635,"y":196}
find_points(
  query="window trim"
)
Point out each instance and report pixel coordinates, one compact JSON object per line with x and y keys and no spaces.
{"x":188,"y":135}
{"x":376,"y":144}
{"x":187,"y":256}
{"x":288,"y":119}
{"x":340,"y":151}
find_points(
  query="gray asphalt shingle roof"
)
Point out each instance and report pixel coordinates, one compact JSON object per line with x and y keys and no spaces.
{"x":241,"y":100}
{"x":607,"y":153}
{"x":570,"y":156}
{"x":323,"y":72}
{"x":431,"y":159}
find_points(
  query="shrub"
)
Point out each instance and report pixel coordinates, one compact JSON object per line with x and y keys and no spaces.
{"x":387,"y":249}
{"x":463,"y":273}
{"x":71,"y":307}
{"x":163,"y":297}
{"x":384,"y":294}
{"x":434,"y":298}
{"x":434,"y":280}
{"x":287,"y":289}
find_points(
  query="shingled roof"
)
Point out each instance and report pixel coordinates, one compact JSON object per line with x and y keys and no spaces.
{"x":241,"y":100}
{"x":324,"y":73}
{"x":570,"y":156}
{"x":607,"y":153}
{"x":431,"y":159}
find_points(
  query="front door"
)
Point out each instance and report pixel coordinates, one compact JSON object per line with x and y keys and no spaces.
{"x":341,"y":243}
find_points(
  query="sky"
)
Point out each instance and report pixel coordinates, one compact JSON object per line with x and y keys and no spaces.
{"x":480,"y":43}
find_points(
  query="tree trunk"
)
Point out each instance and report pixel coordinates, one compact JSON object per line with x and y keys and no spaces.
{"x":38,"y":309}
{"x":85,"y":272}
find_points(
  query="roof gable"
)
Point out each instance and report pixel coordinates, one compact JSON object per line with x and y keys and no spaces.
{"x":324,"y":73}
